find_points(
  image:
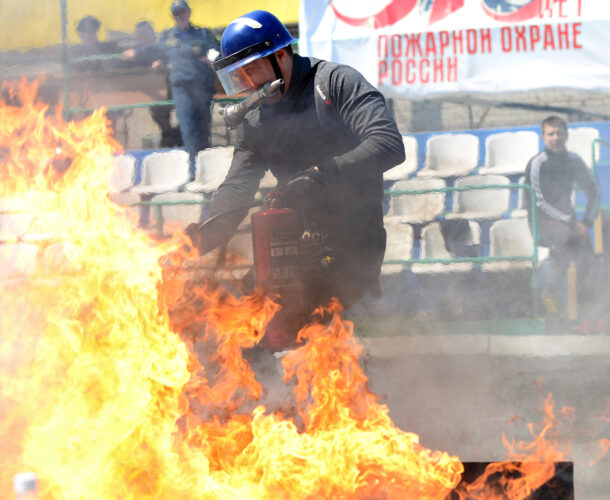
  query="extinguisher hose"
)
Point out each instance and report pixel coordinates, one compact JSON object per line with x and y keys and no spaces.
{"x":234,"y":113}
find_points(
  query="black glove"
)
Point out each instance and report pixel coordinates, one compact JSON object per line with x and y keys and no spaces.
{"x":305,"y":188}
{"x":192,"y":231}
{"x":325,"y":172}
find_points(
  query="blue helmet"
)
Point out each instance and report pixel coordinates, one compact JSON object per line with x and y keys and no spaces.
{"x":252,"y":36}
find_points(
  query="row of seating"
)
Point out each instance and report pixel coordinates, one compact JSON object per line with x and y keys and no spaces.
{"x":164,"y":178}
{"x":508,"y":238}
{"x":168,"y":171}
{"x":447,"y":156}
{"x":457,"y":201}
{"x":506,"y":153}
{"x":414,"y":223}
{"x":159,"y":184}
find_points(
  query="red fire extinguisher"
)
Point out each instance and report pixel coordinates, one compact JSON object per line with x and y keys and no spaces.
{"x":276,"y":234}
{"x":275,"y":242}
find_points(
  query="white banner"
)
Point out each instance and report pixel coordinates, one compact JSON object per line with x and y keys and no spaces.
{"x":415,"y":48}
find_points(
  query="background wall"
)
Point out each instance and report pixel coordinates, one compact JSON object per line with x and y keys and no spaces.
{"x":500,"y":110}
{"x":28,"y":24}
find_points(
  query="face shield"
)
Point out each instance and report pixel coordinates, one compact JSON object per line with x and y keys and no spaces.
{"x":233,"y":77}
{"x":230,"y":69}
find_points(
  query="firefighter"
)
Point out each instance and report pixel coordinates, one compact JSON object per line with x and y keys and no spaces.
{"x":327,"y":137}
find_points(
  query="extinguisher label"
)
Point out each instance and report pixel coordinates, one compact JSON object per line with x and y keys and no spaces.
{"x":284,"y":250}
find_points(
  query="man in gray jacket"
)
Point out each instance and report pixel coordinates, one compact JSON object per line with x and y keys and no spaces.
{"x":553,"y":174}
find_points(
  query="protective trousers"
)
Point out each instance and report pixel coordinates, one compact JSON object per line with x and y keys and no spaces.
{"x":193,"y":101}
{"x":575,"y":248}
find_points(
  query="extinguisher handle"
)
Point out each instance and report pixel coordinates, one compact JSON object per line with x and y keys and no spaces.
{"x":273,"y":199}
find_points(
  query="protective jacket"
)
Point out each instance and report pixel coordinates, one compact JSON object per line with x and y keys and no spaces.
{"x":181,"y":50}
{"x":329,"y":115}
{"x":553,"y":177}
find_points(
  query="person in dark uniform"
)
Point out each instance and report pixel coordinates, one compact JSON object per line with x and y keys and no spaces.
{"x":146,"y":51}
{"x":187,"y":50}
{"x":81,"y":63}
{"x":327,"y":136}
{"x":88,"y":28}
{"x":553,"y":174}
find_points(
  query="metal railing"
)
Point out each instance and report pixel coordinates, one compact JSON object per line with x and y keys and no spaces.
{"x":532,"y":258}
{"x":158,"y":207}
{"x":594,"y":161}
{"x":597,"y":225}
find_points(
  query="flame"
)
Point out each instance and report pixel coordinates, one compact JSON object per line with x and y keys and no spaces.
{"x":530,"y":464}
{"x":122,"y":372}
{"x":604,"y":445}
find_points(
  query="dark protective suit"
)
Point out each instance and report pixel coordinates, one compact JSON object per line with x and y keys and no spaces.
{"x":329,"y":116}
{"x":553,"y":176}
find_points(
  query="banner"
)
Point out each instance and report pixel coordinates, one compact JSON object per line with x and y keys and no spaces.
{"x":416,"y":48}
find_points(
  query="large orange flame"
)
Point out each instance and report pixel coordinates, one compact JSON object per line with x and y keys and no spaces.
{"x":123,"y":378}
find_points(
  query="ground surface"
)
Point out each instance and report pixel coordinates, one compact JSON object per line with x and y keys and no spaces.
{"x":459,"y":392}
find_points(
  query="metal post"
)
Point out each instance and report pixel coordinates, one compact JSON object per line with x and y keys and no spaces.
{"x":64,"y":56}
{"x":598,"y":234}
{"x":572,"y":292}
{"x":535,"y":270}
{"x":160,"y":221}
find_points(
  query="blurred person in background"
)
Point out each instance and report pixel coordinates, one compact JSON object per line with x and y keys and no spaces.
{"x":188,"y":51}
{"x":553,"y":174}
{"x":147,"y":50}
{"x":145,"y":43}
{"x":88,"y":31}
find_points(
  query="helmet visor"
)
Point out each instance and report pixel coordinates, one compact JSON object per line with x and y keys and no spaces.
{"x":234,"y":78}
